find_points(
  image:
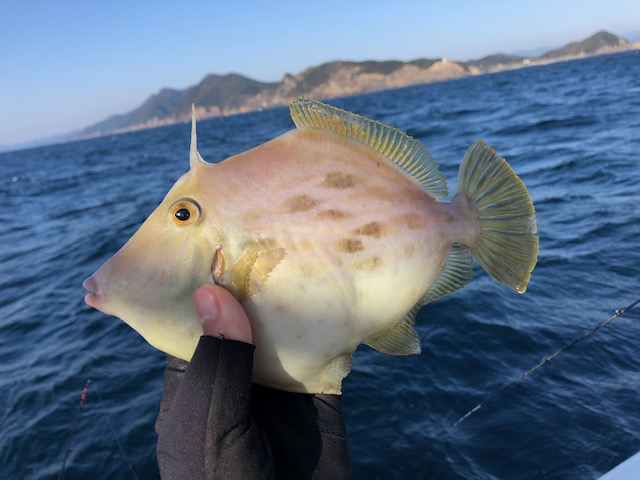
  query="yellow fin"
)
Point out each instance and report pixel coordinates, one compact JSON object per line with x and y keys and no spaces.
{"x":251,"y":272}
{"x":405,"y":151}
{"x":265,"y":263}
{"x":455,"y":275}
{"x":236,"y":280}
{"x":508,"y":250}
{"x":333,"y":373}
{"x":402,"y":339}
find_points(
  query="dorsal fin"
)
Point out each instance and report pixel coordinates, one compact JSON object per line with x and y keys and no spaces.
{"x":403,"y":150}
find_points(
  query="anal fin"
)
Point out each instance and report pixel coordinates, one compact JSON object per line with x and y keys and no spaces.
{"x":456,"y":274}
{"x":402,"y":339}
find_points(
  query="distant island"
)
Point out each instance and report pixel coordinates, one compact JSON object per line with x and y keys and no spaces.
{"x":230,"y":94}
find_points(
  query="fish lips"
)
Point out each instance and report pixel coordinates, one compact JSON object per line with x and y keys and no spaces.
{"x":93,"y":297}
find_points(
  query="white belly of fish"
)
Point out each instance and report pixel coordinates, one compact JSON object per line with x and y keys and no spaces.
{"x":319,"y":305}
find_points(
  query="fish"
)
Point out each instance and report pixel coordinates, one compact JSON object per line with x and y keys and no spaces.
{"x":331,"y":235}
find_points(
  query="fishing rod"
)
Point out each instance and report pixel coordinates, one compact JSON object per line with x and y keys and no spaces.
{"x":544,"y":361}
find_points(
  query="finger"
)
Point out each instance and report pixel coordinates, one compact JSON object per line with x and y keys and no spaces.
{"x":221,"y":314}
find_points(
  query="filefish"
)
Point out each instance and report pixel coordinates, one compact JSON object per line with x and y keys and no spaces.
{"x":330,"y":235}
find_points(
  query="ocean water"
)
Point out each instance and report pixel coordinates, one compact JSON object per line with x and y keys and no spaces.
{"x":571,"y":131}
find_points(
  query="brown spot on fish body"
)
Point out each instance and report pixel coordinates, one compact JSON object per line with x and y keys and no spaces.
{"x":299,"y":203}
{"x":370,"y":264}
{"x":332,"y":214}
{"x":371,"y":229}
{"x":338,"y":180}
{"x":351,"y":245}
{"x":413,"y":221}
{"x":409,"y":250}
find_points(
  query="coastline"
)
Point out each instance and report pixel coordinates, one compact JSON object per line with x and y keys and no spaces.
{"x":441,"y":71}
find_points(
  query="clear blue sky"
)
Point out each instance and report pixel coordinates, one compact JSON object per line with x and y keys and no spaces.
{"x":70,"y":63}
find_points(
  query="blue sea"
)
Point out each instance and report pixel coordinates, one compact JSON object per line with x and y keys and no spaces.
{"x":571,"y":130}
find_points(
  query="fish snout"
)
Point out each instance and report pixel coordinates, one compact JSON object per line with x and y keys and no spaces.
{"x":92,"y":286}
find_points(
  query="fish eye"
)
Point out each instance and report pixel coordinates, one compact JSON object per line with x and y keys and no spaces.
{"x":184,"y":212}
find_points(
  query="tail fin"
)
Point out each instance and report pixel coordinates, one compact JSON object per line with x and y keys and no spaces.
{"x":508,"y":250}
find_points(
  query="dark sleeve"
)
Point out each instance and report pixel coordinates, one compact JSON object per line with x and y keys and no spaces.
{"x":207,"y":432}
{"x":214,"y":424}
{"x":173,"y":374}
{"x":306,"y":432}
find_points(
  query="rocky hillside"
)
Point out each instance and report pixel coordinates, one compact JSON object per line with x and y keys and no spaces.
{"x":601,"y":42}
{"x":229,"y":94}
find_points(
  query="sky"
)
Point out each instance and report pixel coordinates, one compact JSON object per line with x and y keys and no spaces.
{"x":67,"y":64}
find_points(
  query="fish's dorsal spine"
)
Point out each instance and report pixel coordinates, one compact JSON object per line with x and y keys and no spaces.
{"x":194,"y":156}
{"x":403,"y":150}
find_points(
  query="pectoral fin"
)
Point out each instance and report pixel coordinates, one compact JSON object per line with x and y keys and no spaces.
{"x":249,"y":274}
{"x":266,"y":261}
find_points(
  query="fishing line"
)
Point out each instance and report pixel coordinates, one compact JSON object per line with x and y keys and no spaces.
{"x":545,"y":360}
{"x":113,"y":432}
{"x":83,"y":396}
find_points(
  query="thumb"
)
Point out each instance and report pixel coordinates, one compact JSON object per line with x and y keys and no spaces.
{"x":221,"y":314}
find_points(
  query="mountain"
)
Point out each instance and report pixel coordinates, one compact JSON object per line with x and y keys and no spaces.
{"x":214,"y":95}
{"x":222,"y":94}
{"x":531,"y":52}
{"x":601,"y":42}
{"x":339,"y":78}
{"x":158,"y":107}
{"x":598,"y":43}
{"x":233,"y":93}
{"x":494,"y":62}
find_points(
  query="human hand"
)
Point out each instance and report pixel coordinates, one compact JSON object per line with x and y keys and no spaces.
{"x":221,"y":314}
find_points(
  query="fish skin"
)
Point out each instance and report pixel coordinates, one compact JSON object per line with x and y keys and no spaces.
{"x":326,"y":242}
